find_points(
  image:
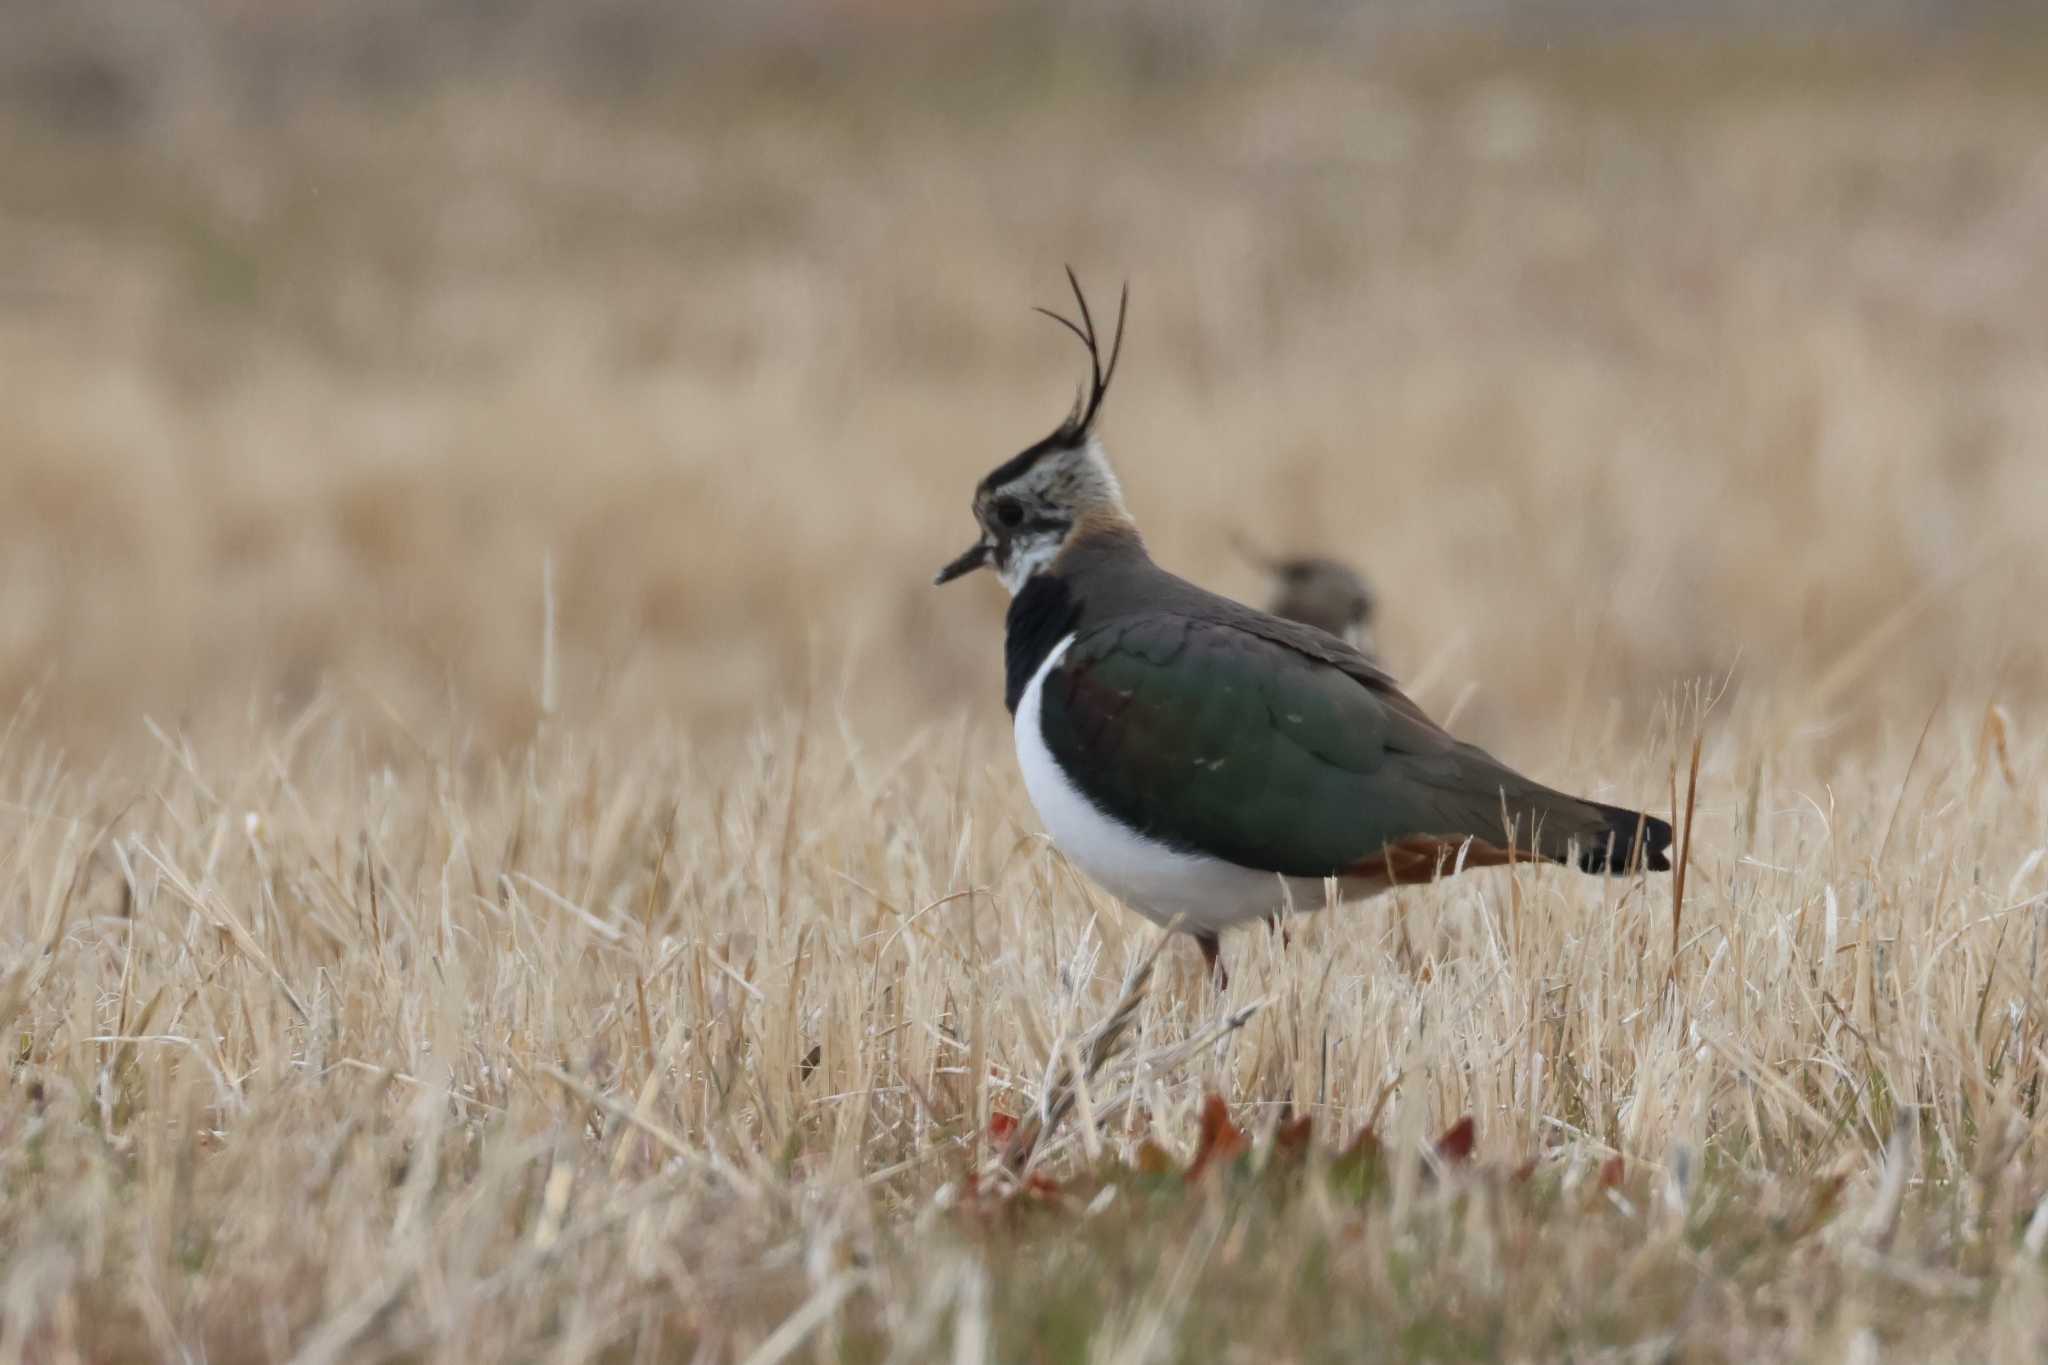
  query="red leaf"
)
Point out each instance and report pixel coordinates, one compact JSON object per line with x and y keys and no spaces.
{"x":1001,"y":1127}
{"x":1611,"y":1172}
{"x":1291,"y":1138}
{"x":1524,"y":1171}
{"x":1457,"y":1142}
{"x":1222,"y":1140}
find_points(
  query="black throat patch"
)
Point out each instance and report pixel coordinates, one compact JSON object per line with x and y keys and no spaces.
{"x":1040,"y":617}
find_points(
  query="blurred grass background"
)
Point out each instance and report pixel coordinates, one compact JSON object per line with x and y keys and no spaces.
{"x":375,"y":377}
{"x":1620,"y":344}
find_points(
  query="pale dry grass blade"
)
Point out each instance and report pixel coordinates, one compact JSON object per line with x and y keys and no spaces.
{"x":1881,"y":1219}
{"x":1071,"y":1070}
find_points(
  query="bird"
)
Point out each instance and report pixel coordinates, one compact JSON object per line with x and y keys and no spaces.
{"x":1325,"y":593}
{"x":1209,"y":764}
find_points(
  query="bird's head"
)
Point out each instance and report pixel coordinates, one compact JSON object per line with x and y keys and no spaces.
{"x":1323,"y":593}
{"x":1033,"y":504}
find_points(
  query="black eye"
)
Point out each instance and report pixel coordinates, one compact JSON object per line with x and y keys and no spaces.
{"x":1009,"y":512}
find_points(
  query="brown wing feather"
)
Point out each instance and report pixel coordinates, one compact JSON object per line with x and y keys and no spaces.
{"x":1427,"y":856}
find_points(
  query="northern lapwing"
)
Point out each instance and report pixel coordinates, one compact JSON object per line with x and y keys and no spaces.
{"x":1325,"y":593}
{"x":1211,"y":764}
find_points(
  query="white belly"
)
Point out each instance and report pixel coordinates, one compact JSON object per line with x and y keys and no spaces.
{"x":1157,"y":881}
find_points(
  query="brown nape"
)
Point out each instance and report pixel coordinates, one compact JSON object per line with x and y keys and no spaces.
{"x":1101,"y":530}
{"x":1424,"y":857}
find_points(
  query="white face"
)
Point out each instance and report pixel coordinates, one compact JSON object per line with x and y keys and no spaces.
{"x":1026,"y":554}
{"x":1028,"y":518}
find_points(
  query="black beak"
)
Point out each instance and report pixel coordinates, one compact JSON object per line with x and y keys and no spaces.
{"x":976,"y":556}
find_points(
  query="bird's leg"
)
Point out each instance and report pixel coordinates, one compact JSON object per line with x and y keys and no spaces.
{"x":1212,"y":957}
{"x":1405,"y":954}
{"x":1274,"y":922}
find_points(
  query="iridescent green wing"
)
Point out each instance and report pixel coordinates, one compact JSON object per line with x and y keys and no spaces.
{"x":1217,"y":740}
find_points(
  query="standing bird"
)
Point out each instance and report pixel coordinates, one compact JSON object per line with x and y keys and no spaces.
{"x":1325,"y":593}
{"x":1213,"y":764}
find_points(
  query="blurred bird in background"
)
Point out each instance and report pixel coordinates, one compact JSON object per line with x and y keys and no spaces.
{"x":1321,"y":592}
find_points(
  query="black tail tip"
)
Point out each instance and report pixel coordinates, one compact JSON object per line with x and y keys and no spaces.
{"x":1633,"y":841}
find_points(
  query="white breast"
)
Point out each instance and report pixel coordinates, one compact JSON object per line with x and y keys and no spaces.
{"x":1157,"y":881}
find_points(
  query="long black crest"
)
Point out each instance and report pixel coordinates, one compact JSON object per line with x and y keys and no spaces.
{"x":1099,"y":373}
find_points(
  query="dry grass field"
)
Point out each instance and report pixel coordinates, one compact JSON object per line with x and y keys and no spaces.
{"x":504,"y":855}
